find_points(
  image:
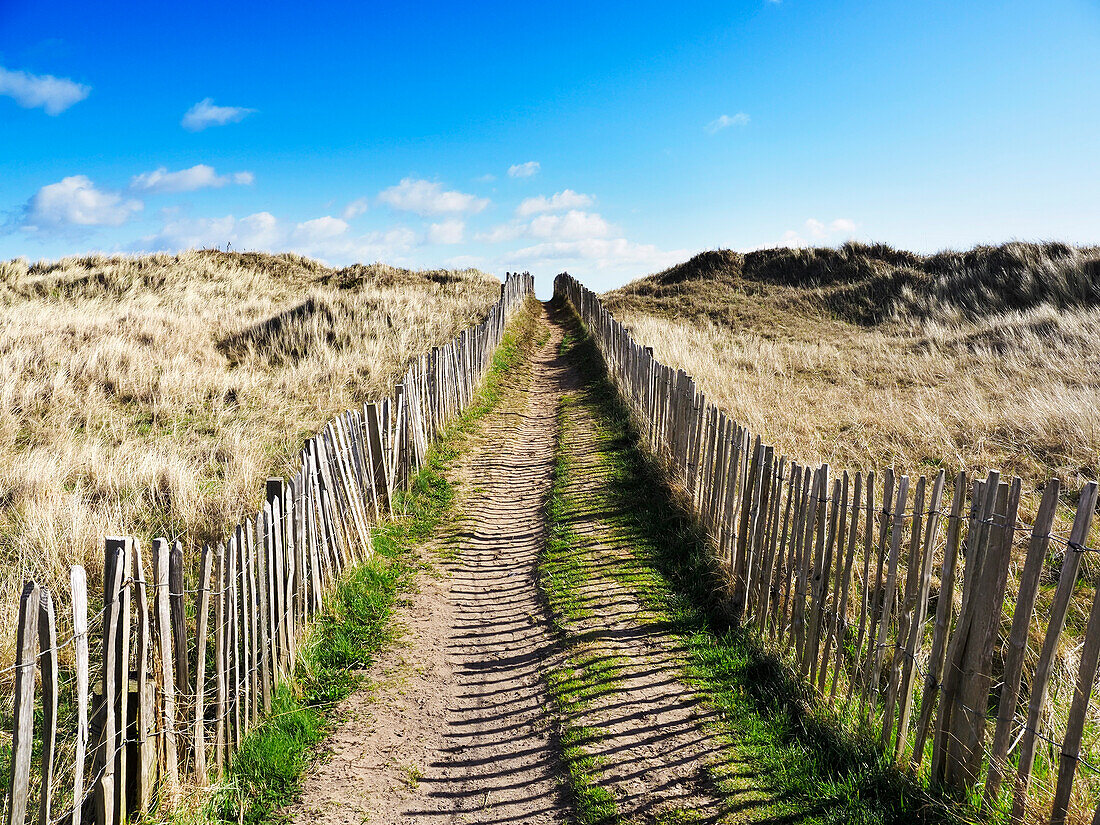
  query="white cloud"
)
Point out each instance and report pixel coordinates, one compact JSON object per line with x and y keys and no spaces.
{"x":260,"y":230}
{"x":602,"y":253}
{"x":792,"y":239}
{"x":818,"y":231}
{"x":345,"y":248}
{"x":33,"y":91}
{"x":75,"y":201}
{"x":199,"y":176}
{"x":573,"y":225}
{"x":567,"y":199}
{"x":488,"y":177}
{"x":354,"y":209}
{"x":427,"y":198}
{"x":450,"y":231}
{"x":524,"y":170}
{"x":725,"y":121}
{"x":205,"y":113}
{"x":319,"y":230}
{"x":327,"y":238}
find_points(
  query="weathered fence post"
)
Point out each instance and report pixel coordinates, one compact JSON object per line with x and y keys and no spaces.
{"x":23,"y":713}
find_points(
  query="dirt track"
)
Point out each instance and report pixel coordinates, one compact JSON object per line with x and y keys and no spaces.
{"x":458,"y":726}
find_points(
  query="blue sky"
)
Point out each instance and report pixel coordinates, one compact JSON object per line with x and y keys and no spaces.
{"x":607,"y":139}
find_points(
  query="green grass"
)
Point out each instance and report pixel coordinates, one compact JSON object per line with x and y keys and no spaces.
{"x":584,"y":676}
{"x":559,"y":574}
{"x":586,"y":672}
{"x":357,"y":619}
{"x":594,"y":805}
{"x":806,"y":767}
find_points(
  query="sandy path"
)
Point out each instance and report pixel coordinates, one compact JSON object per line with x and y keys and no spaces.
{"x":457,"y":729}
{"x":458,"y":725}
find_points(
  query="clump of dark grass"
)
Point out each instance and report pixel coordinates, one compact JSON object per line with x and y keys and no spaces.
{"x":873,"y":283}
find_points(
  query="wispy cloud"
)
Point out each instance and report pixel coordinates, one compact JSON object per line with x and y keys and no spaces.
{"x":725,"y":121}
{"x":427,"y":198}
{"x":354,"y":209}
{"x":319,"y":230}
{"x":524,"y":170}
{"x":41,"y":91}
{"x":567,"y":199}
{"x":76,"y":202}
{"x":573,"y":225}
{"x":260,"y":230}
{"x":817,"y":230}
{"x":205,"y":113}
{"x":199,"y":176}
{"x":327,"y":238}
{"x":450,"y":231}
{"x":600,"y":253}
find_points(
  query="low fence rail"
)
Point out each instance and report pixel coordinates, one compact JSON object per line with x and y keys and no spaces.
{"x":165,"y":681}
{"x":838,"y":572}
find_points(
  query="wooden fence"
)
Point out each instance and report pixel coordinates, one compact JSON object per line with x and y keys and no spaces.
{"x":889,"y":598}
{"x":153,"y":691}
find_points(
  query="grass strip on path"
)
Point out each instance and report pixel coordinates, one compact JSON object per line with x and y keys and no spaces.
{"x":582,"y":672}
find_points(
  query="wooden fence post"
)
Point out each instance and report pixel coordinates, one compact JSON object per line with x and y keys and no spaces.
{"x":906,"y":608}
{"x":47,"y":660}
{"x":111,"y":750}
{"x":143,"y":773}
{"x":78,"y":582}
{"x":866,"y":607}
{"x":179,"y":626}
{"x":891,"y":585}
{"x":22,"y":743}
{"x":220,"y":584}
{"x":170,"y":784}
{"x":201,"y":630}
{"x":1016,"y":648}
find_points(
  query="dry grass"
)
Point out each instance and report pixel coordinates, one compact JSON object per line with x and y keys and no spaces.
{"x":1014,"y":387}
{"x":152,"y":395}
{"x":866,"y":357}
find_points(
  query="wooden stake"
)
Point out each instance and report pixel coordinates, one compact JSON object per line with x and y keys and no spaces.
{"x":78,"y":584}
{"x":22,"y":744}
{"x":170,"y":779}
